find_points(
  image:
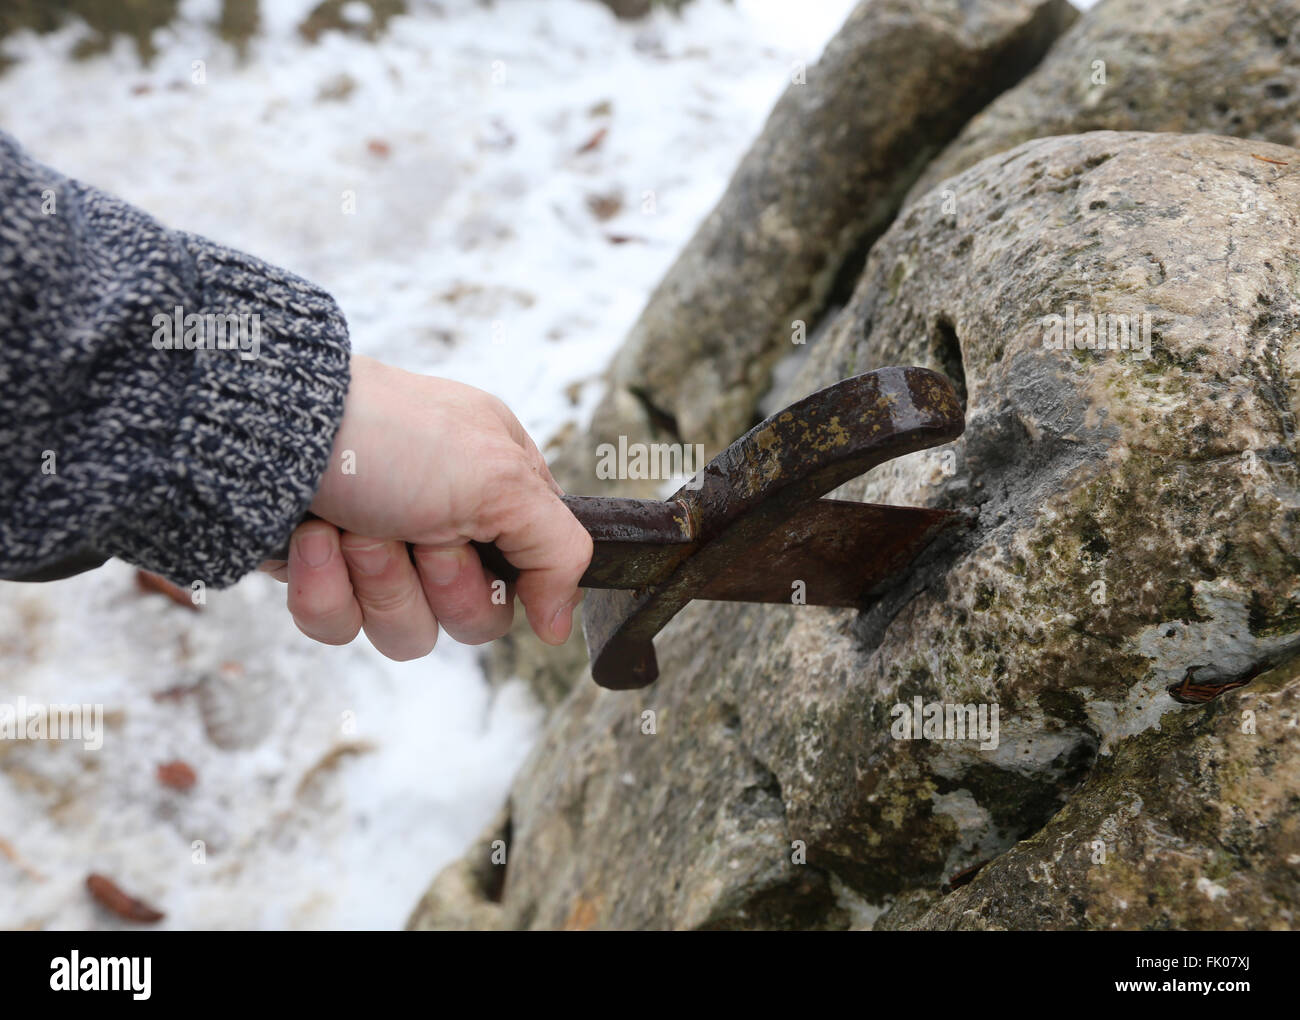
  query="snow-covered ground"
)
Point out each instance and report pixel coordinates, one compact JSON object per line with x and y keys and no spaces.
{"x":522,"y":173}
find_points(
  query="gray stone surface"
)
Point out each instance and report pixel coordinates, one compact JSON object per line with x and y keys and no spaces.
{"x":1224,"y":67}
{"x":821,"y":182}
{"x":1192,"y":826}
{"x":1137,"y":519}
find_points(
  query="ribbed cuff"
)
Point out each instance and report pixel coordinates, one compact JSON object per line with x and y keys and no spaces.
{"x":252,"y":426}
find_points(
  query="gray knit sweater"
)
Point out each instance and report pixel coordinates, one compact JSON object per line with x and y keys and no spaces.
{"x":180,"y":453}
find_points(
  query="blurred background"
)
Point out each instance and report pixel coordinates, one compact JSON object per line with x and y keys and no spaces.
{"x":490,"y":190}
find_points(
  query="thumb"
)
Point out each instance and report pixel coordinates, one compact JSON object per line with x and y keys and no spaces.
{"x":552,"y":551}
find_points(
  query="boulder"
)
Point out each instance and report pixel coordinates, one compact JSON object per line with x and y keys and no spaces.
{"x":466,"y":895}
{"x":1149,"y":65}
{"x":1137,"y":513}
{"x":1193,"y":825}
{"x":824,"y":178}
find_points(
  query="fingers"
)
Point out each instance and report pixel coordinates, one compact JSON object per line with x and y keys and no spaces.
{"x":340,"y":584}
{"x":550,"y":596}
{"x":395,"y":614}
{"x":493,"y":484}
{"x":461,"y":595}
{"x":552,"y":550}
{"x":320,"y":592}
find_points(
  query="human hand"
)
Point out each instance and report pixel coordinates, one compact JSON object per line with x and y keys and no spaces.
{"x":436,"y":464}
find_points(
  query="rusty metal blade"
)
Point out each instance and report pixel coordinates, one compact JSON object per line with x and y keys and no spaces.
{"x":757,"y":485}
{"x":832,"y":553}
{"x":839,"y":550}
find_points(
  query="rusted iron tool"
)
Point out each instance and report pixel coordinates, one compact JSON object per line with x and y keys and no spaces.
{"x":751,"y":525}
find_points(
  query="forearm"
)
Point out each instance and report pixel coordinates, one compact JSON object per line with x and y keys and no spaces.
{"x":191,"y":462}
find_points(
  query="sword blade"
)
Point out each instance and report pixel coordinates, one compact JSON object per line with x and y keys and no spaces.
{"x":830,"y":552}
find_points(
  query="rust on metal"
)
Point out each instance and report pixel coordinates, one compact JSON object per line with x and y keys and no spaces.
{"x":759,"y":525}
{"x":836,"y":553}
{"x":751,"y":525}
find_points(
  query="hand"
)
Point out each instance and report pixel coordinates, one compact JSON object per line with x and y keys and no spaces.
{"x":436,"y":464}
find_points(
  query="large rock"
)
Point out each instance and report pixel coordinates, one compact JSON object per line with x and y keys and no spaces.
{"x":788,"y":237}
{"x":1137,"y":527}
{"x":822,"y":181}
{"x":466,"y":896}
{"x":1193,"y":825}
{"x":1214,"y":66}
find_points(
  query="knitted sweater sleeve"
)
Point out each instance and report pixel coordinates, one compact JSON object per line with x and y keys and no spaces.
{"x":163,"y":399}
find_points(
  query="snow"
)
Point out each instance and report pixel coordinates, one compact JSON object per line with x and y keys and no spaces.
{"x":474,"y":253}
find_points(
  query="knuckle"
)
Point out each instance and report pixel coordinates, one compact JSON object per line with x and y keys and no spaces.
{"x":468,"y":615}
{"x":316,"y":602}
{"x":462,"y":613}
{"x":510,"y":464}
{"x":585,"y":549}
{"x":324,"y":613}
{"x":509,"y":500}
{"x":498,"y":407}
{"x":389,"y":600}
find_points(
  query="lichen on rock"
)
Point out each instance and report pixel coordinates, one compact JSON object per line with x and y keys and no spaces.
{"x":1181,"y":66}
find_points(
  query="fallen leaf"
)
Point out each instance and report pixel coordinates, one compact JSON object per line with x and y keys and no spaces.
{"x":110,"y":896}
{"x":177,"y":774}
